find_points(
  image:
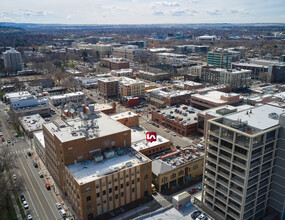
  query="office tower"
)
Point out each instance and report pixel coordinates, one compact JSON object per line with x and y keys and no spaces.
{"x":220,"y":58}
{"x":244,"y":164}
{"x":12,"y":60}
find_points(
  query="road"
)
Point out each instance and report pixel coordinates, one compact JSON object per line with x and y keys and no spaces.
{"x":41,"y":202}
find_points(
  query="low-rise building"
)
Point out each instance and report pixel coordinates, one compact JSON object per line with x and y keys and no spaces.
{"x":176,"y":169}
{"x":130,"y":101}
{"x":130,"y":52}
{"x":154,"y":77}
{"x":74,"y":99}
{"x":31,"y":123}
{"x":131,"y":87}
{"x":213,"y":99}
{"x":182,"y":119}
{"x":115,"y":63}
{"x":123,"y":72}
{"x":55,"y":90}
{"x":14,"y":95}
{"x":128,"y":118}
{"x":39,"y":144}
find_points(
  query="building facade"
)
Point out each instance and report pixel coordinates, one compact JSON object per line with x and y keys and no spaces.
{"x":108,"y":87}
{"x":220,"y":59}
{"x":12,"y":60}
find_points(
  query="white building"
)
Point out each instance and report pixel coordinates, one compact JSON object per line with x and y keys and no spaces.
{"x":75,"y":98}
{"x":12,"y":60}
{"x":39,"y":144}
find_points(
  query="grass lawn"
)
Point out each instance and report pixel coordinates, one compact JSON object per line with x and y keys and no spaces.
{"x":8,"y":212}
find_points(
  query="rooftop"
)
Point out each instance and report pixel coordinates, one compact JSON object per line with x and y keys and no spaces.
{"x":153,"y":74}
{"x":39,"y":135}
{"x":32,"y":122}
{"x":187,"y":115}
{"x":88,"y":170}
{"x":87,"y":126}
{"x":256,"y":119}
{"x":62,"y":96}
{"x":16,"y":94}
{"x":122,"y":115}
{"x":224,"y":109}
{"x":214,"y":96}
{"x":143,"y":144}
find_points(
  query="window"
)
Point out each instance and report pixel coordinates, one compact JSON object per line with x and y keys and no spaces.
{"x":138,"y":171}
{"x":90,"y":216}
{"x":138,"y":179}
{"x":116,"y":188}
{"x":195,"y":167}
{"x":88,"y":198}
{"x":98,"y":204}
{"x":181,"y":172}
{"x":133,"y":189}
{"x":98,"y":195}
{"x":104,"y":192}
{"x":103,"y":184}
{"x":122,"y":186}
{"x":122,"y":194}
{"x":89,"y":207}
{"x":116,"y":196}
{"x":97,"y":186}
{"x":127,"y":175}
{"x":133,"y":181}
{"x":116,"y":179}
{"x":146,"y":176}
{"x":145,"y":169}
{"x":110,"y":181}
{"x":127,"y":184}
{"x":88,"y":189}
{"x":110,"y":198}
{"x":104,"y":201}
{"x":110,"y":190}
{"x":133,"y":174}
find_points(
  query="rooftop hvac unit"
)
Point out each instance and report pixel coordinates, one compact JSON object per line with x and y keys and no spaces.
{"x":109,"y":154}
{"x":98,"y":157}
{"x":128,"y":164}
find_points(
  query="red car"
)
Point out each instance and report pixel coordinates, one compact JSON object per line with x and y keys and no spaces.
{"x":191,"y":191}
{"x":3,"y":139}
{"x":48,"y":186}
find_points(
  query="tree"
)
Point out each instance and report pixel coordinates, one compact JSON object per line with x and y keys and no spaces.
{"x":84,"y":55}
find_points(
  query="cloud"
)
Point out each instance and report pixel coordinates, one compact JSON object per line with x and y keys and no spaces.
{"x":165,"y":4}
{"x":176,"y":13}
{"x":194,"y":1}
{"x":158,"y":13}
{"x":215,"y":12}
{"x":239,"y":11}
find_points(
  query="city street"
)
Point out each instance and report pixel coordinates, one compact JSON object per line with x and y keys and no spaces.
{"x":41,"y":202}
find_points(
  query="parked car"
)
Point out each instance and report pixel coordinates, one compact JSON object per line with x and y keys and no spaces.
{"x":62,"y":212}
{"x":29,"y":153}
{"x":41,"y":174}
{"x":191,"y":191}
{"x":14,"y":177}
{"x":195,"y":214}
{"x":35,"y":165}
{"x":22,"y":197}
{"x":25,"y":204}
{"x":3,"y":139}
{"x":48,"y":186}
{"x":30,"y":217}
{"x":202,"y":217}
{"x":172,"y":133}
{"x":166,"y":130}
{"x":58,"y":205}
{"x":8,"y":141}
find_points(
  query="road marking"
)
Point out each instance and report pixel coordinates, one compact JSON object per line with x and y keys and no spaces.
{"x":32,"y":202}
{"x":33,"y":188}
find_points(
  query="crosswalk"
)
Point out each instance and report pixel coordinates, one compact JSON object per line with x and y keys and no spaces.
{"x":18,"y":151}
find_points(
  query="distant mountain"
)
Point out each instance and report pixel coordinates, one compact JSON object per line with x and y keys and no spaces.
{"x":9,"y":29}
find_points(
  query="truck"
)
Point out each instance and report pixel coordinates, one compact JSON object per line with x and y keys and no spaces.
{"x":153,"y":189}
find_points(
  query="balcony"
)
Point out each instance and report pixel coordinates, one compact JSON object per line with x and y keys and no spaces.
{"x":234,"y":206}
{"x":210,"y":175}
{"x":236,"y":190}
{"x":220,"y":206}
{"x":210,"y":183}
{"x":209,"y":198}
{"x":263,"y":184}
{"x":238,"y":173}
{"x":211,"y":159}
{"x":249,"y":207}
{"x":212,"y":151}
{"x":260,"y":200}
{"x":222,"y":199}
{"x":240,"y":155}
{"x":258,"y":209}
{"x":265,"y":159}
{"x":225,"y":157}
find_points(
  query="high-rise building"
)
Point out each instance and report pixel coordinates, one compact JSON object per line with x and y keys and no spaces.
{"x":244,"y":172}
{"x":12,"y":60}
{"x":220,"y":59}
{"x":91,"y":160}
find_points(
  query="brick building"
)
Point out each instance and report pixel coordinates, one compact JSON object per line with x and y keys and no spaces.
{"x":128,"y":118}
{"x":108,"y":87}
{"x":115,"y":63}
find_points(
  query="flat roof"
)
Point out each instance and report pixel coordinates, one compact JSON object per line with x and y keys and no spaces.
{"x":259,"y":118}
{"x":213,"y":111}
{"x":122,"y":115}
{"x":17,"y":94}
{"x":65,"y":95}
{"x":32,"y":122}
{"x":101,"y":107}
{"x":89,"y":170}
{"x":143,"y":144}
{"x":214,"y":96}
{"x":97,"y":125}
{"x":153,"y":74}
{"x":40,"y":136}
{"x":186,"y":113}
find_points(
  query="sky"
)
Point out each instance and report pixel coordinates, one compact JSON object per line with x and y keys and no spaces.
{"x":142,"y":11}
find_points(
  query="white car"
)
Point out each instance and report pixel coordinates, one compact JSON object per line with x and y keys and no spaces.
{"x":14,"y":177}
{"x":62,"y":212}
{"x":58,"y":206}
{"x":25,"y":204}
{"x":30,"y":217}
{"x":173,"y":133}
{"x":1,"y":134}
{"x":167,"y":131}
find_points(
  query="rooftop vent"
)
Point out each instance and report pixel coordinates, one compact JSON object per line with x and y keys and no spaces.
{"x":273,"y":115}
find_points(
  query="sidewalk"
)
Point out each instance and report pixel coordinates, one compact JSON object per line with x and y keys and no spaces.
{"x":19,"y":216}
{"x":55,"y":190}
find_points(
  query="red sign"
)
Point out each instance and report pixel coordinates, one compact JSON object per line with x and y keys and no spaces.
{"x":151,"y":136}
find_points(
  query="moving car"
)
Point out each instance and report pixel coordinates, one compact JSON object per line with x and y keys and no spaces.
{"x":8,"y":141}
{"x":3,"y":139}
{"x":58,"y":206}
{"x":29,"y":154}
{"x":41,"y":174}
{"x":191,"y":191}
{"x":35,"y":165}
{"x":25,"y":204}
{"x":195,"y":214}
{"x":48,"y":186}
{"x":30,"y":217}
{"x":1,"y":134}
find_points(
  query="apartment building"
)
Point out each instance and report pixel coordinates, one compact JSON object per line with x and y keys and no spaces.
{"x":211,"y":99}
{"x":258,"y":72}
{"x":177,"y":168}
{"x":182,"y":119}
{"x":131,"y":87}
{"x":12,"y":60}
{"x":91,"y":161}
{"x":236,"y":79}
{"x":73,"y":98}
{"x":108,"y":87}
{"x":243,"y":171}
{"x":220,"y":58}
